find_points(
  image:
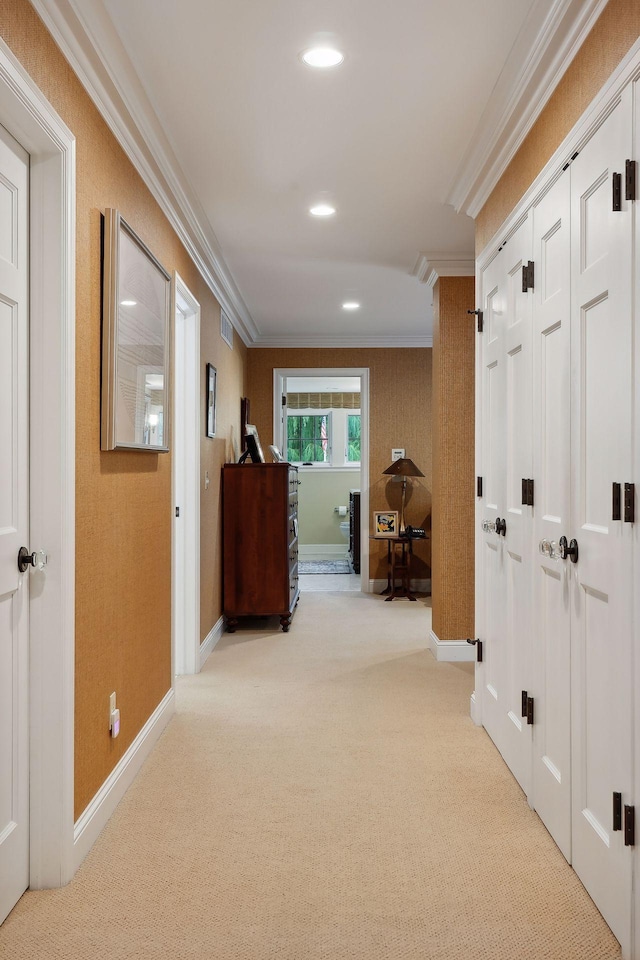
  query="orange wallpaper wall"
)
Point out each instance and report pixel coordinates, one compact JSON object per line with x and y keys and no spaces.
{"x":123,"y":513}
{"x":452,"y":543}
{"x":613,"y":34}
{"x":399,"y":415}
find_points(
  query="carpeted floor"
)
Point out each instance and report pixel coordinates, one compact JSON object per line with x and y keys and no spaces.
{"x":323,"y":566}
{"x":320,"y":795}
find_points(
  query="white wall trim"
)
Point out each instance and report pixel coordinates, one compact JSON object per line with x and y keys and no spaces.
{"x":28,"y":116}
{"x":451,"y":651}
{"x":212,"y":638}
{"x":330,"y":551}
{"x":531,"y":74}
{"x":340,"y":340}
{"x":185,"y":570}
{"x":93,"y":820}
{"x":431,"y":266}
{"x":596,"y":113}
{"x":474,"y":710}
{"x":87,"y":38}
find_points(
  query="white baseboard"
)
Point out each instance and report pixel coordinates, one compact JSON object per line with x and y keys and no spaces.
{"x":474,"y":710}
{"x":323,"y":551}
{"x":209,"y":642}
{"x":88,"y":827}
{"x":418,"y":586}
{"x":451,"y":650}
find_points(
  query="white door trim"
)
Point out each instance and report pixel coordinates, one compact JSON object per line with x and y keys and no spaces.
{"x":186,"y":569}
{"x":51,"y":145}
{"x":279,"y":376}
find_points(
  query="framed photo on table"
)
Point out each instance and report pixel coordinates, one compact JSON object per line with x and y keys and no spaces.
{"x":385,"y":523}
{"x":212,"y":375}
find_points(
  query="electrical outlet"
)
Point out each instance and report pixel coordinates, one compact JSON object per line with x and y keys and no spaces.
{"x":397,"y":453}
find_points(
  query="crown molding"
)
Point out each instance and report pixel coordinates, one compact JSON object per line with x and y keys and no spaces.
{"x":531,"y":74}
{"x":88,"y":40}
{"x":312,"y":340}
{"x":431,"y":266}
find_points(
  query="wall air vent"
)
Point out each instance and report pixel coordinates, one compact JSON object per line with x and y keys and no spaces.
{"x":226,"y":328}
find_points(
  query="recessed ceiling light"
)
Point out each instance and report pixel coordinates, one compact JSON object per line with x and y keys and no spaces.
{"x":322,"y":57}
{"x":351,"y":305}
{"x":322,"y":210}
{"x":128,"y":303}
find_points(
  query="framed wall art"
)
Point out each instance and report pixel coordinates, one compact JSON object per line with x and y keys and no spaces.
{"x":212,"y":374}
{"x":136,"y":305}
{"x":385,"y":523}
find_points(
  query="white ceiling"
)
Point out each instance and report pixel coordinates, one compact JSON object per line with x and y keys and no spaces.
{"x":238,"y":138}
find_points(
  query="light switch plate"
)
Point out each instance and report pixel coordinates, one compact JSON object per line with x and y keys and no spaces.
{"x":397,"y":453}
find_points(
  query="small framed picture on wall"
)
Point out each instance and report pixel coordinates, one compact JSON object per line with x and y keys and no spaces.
{"x":212,"y":374}
{"x":385,"y":523}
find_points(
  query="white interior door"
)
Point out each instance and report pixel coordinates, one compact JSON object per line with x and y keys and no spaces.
{"x":516,"y":593}
{"x":551,"y":677}
{"x":601,"y":584}
{"x":491,"y":673}
{"x":506,"y":460}
{"x":14,"y":523}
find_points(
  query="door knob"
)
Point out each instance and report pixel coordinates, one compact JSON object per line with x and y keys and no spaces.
{"x":569,"y":549}
{"x":34,"y":559}
{"x":489,"y":526}
{"x":501,"y":526}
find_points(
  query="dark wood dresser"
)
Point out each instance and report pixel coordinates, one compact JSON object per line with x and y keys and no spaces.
{"x":260,"y":541}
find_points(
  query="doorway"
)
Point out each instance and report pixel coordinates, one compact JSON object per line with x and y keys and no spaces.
{"x":321,"y":424}
{"x":27,"y":116}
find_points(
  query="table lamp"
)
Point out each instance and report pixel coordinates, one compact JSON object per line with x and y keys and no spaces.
{"x":404,"y":467}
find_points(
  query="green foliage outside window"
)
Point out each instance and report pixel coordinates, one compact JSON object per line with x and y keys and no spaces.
{"x":308,"y":439}
{"x":353,"y":438}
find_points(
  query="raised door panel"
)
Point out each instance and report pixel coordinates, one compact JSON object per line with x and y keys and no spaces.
{"x":551,"y":677}
{"x":601,"y":585}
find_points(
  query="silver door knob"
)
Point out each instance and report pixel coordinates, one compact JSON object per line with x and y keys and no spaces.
{"x":37,"y":559}
{"x":489,"y":526}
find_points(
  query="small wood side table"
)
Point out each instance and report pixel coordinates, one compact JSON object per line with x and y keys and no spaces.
{"x":399,"y":553}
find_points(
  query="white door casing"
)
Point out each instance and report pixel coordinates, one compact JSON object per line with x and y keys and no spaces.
{"x":29,"y":118}
{"x":14,"y":523}
{"x":186,"y":482}
{"x":279,"y":378}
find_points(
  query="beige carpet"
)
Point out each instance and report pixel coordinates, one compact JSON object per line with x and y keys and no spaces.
{"x":321,"y":794}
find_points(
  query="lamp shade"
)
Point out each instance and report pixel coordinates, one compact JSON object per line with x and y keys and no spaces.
{"x":404,"y":467}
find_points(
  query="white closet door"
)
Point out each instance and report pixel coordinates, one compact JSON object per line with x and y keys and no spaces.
{"x":515,"y":592}
{"x":601,"y":586}
{"x":491,"y":673}
{"x":551,"y":678}
{"x":507,"y":459}
{"x":14,"y":524}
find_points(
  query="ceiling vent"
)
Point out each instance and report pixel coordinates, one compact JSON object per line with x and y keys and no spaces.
{"x":226,"y":328}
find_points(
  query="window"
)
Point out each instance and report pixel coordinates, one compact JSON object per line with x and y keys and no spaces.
{"x":353,"y":438}
{"x":327,"y":437}
{"x":309,"y":438}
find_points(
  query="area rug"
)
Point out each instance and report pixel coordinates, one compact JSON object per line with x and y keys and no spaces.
{"x":323,"y":566}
